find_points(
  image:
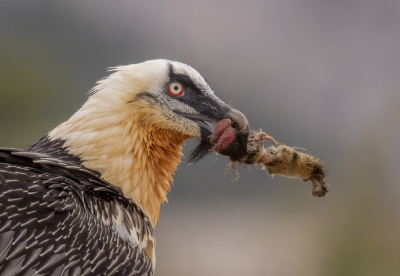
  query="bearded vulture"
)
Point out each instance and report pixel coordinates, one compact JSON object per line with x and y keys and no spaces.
{"x":85,"y":198}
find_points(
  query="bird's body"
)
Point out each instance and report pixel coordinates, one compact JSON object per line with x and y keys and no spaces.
{"x":58,"y":218}
{"x":84,"y":199}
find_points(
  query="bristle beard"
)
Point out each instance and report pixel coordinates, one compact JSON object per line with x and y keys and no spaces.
{"x":203,"y":148}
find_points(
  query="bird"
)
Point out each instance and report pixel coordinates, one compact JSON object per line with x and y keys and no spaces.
{"x":85,"y":198}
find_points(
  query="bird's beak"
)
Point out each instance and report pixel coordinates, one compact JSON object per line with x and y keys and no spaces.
{"x":239,"y":123}
{"x":230,"y":136}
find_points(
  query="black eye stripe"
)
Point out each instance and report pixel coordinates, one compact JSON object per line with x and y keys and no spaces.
{"x":195,"y":97}
{"x":184,"y":80}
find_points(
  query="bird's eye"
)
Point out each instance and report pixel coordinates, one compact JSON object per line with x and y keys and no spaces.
{"x":175,"y":89}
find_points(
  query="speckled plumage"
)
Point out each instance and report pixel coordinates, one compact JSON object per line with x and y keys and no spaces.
{"x":58,"y":218}
{"x":84,"y":199}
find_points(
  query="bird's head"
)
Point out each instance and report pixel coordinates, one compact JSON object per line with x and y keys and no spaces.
{"x":134,"y":122}
{"x":173,"y":96}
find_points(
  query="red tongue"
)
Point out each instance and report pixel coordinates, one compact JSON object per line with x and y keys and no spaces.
{"x":223,"y":135}
{"x":219,"y":129}
{"x":226,"y":139}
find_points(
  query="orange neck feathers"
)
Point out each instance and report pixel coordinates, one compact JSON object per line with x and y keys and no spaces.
{"x":127,"y":146}
{"x":156,"y":159}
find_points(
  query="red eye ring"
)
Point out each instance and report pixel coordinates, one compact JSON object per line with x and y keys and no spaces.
{"x":176,"y":89}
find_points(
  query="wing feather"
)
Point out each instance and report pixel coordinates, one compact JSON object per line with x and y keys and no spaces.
{"x":58,"y":218}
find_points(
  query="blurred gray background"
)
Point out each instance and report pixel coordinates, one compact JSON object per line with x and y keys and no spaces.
{"x":323,"y":75}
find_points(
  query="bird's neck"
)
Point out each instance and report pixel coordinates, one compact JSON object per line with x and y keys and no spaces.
{"x":138,"y":158}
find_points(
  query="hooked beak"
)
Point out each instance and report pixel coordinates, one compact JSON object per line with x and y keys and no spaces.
{"x":239,"y":123}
